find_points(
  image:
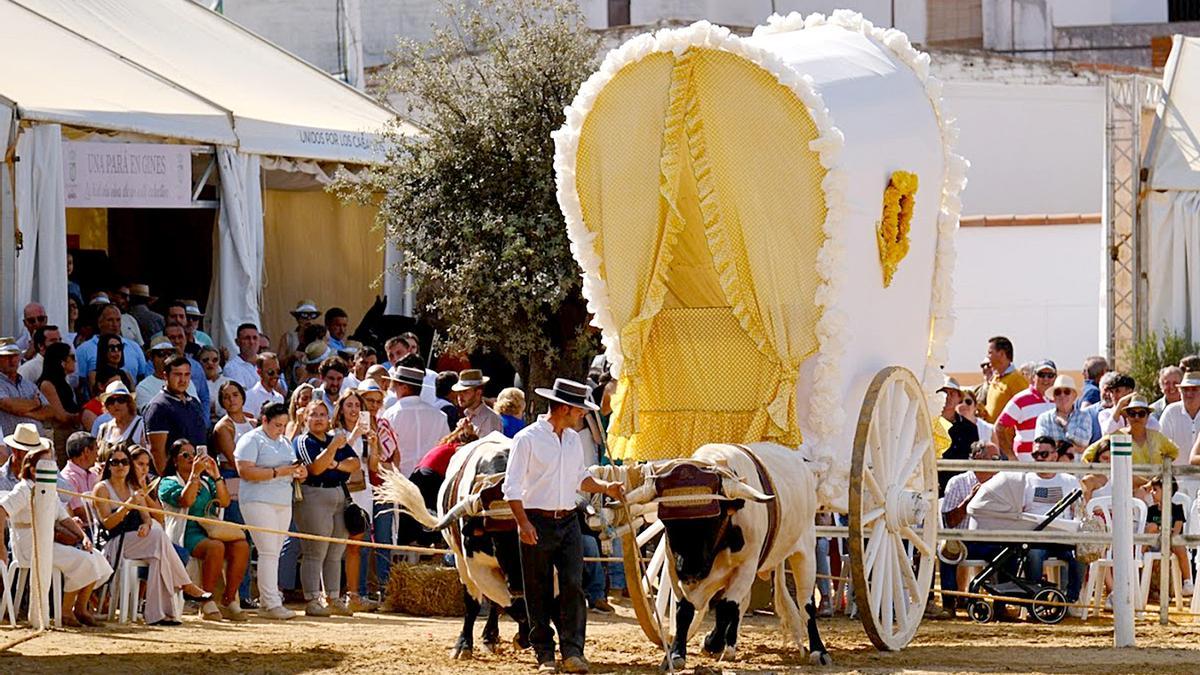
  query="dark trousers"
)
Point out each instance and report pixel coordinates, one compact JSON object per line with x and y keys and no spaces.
{"x":559,"y":546}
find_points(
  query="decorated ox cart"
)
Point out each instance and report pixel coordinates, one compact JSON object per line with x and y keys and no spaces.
{"x":766,"y":229}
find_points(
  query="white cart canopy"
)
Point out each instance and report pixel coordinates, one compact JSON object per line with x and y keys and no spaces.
{"x":1176,"y":160}
{"x":54,"y":76}
{"x":280,"y":104}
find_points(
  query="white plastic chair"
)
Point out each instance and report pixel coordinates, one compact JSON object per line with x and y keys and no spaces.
{"x":6,"y":600}
{"x":1093,"y":594}
{"x":22,"y":580}
{"x":1151,"y":557}
{"x":125,"y":591}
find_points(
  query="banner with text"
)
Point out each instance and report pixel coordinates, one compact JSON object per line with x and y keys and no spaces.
{"x":127,"y":175}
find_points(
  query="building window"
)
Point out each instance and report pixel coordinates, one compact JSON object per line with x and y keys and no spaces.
{"x":618,"y":12}
{"x":1177,"y":10}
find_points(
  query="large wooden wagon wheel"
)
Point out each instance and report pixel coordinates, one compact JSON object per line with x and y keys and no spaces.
{"x":649,"y":584}
{"x":893,"y":508}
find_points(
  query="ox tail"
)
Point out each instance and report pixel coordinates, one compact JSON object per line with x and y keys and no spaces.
{"x":405,"y":495}
{"x":785,"y":607}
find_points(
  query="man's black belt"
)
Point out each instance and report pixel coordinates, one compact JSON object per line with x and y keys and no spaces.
{"x":548,"y":513}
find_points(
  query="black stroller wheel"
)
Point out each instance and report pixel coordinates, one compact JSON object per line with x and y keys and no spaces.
{"x":980,"y":611}
{"x":1048,"y":613}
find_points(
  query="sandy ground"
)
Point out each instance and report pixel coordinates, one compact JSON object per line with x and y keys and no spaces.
{"x":403,"y":644}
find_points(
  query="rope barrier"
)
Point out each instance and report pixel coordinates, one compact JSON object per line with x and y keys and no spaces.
{"x":24,"y":638}
{"x":419,"y":550}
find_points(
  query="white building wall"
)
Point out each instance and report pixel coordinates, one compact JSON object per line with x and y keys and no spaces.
{"x":909,"y":15}
{"x":1033,"y":149}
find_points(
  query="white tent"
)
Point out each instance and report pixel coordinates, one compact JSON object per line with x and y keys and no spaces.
{"x":170,"y":70}
{"x":1172,"y":207}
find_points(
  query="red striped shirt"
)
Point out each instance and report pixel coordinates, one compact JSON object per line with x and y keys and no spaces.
{"x":1021,"y":413}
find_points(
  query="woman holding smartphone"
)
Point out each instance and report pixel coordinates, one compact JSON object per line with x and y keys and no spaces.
{"x":329,"y":460}
{"x":267,"y":466}
{"x":352,"y":420}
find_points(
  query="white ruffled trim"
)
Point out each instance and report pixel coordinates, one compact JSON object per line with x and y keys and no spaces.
{"x":828,"y":417}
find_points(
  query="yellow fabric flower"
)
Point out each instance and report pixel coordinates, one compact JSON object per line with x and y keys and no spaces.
{"x":896,"y":222}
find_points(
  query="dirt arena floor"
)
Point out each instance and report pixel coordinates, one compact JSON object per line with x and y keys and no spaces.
{"x":392,"y":643}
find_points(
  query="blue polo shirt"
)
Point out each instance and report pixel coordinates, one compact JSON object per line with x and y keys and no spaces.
{"x":178,"y":416}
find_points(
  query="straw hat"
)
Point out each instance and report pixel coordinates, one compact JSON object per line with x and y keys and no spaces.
{"x":570,"y":392}
{"x":1191,"y":379}
{"x":116,"y":388}
{"x":1137,"y":404}
{"x":316,"y":352}
{"x":26,"y":437}
{"x":305,"y":306}
{"x":471,"y":378}
{"x":161,"y":344}
{"x":192,"y":308}
{"x":951,"y":384}
{"x":350,"y":348}
{"x":414,"y":377}
{"x":368,"y":386}
{"x":8,"y":347}
{"x":141,"y":291}
{"x":1064,"y":382}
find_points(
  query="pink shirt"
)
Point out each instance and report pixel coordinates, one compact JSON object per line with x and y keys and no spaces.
{"x":80,"y":480}
{"x":1021,"y":413}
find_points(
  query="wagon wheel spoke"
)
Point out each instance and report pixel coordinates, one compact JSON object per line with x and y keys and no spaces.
{"x":892,"y":508}
{"x":650,"y":533}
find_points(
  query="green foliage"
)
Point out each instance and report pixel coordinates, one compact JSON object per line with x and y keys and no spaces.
{"x":1154,"y":352}
{"x":472,"y":199}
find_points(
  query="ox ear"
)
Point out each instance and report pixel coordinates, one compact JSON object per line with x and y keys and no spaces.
{"x":736,"y":489}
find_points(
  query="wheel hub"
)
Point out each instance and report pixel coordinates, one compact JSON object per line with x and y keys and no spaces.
{"x":905,"y":507}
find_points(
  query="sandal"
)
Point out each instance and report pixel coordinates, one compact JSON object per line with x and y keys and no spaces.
{"x":209,"y":611}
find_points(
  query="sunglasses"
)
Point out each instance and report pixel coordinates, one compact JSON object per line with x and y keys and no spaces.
{"x":116,"y":399}
{"x":1062,"y":392}
{"x":1047,"y":376}
{"x":1137,"y":414}
{"x":118,"y":462}
{"x":115,"y":347}
{"x":187,"y":455}
{"x":270,"y":373}
{"x":211,"y":359}
{"x":308,"y":315}
{"x":1041,"y":454}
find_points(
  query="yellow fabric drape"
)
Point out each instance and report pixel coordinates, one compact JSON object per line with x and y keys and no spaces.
{"x":714,"y":293}
{"x":315,"y":246}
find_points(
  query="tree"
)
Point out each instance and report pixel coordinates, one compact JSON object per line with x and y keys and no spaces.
{"x":472,"y":200}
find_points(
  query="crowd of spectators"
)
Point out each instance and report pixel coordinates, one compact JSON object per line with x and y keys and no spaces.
{"x":142,"y":412}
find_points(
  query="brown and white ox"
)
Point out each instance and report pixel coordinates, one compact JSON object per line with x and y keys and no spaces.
{"x":730,"y":513}
{"x":477,"y":524}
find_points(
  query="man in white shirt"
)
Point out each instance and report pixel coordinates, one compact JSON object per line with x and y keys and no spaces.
{"x":1181,"y":423}
{"x":210,"y":362}
{"x":243,"y":368}
{"x":545,"y":473}
{"x":1042,"y":492}
{"x":1121,"y":390}
{"x":42,"y":337}
{"x":469,"y":390}
{"x":266,"y":389}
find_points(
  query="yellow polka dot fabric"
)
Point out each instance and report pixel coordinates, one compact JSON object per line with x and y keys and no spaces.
{"x":708,"y":230}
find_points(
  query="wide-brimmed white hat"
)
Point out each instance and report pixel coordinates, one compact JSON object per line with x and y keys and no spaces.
{"x":305,"y":307}
{"x":570,"y":392}
{"x":1191,"y":379}
{"x":1064,"y":382}
{"x":950,"y":383}
{"x":368,"y":386}
{"x":26,"y":437}
{"x":1138,"y":404}
{"x":116,"y":388}
{"x":8,"y":347}
{"x":470,"y":378}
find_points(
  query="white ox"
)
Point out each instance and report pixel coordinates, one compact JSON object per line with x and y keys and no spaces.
{"x":485,"y":556}
{"x":759,"y":517}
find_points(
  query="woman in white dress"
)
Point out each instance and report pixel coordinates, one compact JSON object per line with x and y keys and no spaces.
{"x":348,"y":420}
{"x":82,"y":568}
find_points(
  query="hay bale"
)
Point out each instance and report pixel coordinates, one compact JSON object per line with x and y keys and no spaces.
{"x":424,"y":590}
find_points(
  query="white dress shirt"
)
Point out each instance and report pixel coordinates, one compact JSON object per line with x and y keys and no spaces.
{"x":418,"y":427}
{"x":258,"y":396}
{"x":130,"y":330}
{"x":32,"y":369}
{"x":1182,"y":429}
{"x":241,"y":371}
{"x":545,"y":471}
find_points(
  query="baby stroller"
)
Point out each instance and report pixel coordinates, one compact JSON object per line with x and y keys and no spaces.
{"x":1006,"y":574}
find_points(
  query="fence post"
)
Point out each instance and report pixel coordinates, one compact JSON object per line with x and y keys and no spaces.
{"x":1122,"y":545}
{"x":1164,"y":543}
{"x":45,"y":508}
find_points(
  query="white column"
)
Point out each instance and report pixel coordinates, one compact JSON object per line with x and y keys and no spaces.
{"x":397,"y":287}
{"x":352,"y":43}
{"x":45,"y":508}
{"x":1122,"y":546}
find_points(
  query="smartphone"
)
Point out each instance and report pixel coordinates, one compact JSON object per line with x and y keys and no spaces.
{"x":364,"y":420}
{"x":201,"y":450}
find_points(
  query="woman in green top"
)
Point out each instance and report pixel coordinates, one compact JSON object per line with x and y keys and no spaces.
{"x":202,"y":486}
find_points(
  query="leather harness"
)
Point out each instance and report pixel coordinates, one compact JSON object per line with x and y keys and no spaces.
{"x":768,"y":488}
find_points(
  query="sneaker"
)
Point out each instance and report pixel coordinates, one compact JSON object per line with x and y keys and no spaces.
{"x":358,"y":603}
{"x":248,"y":603}
{"x":317,"y":608}
{"x":232,"y":611}
{"x":601,"y":605}
{"x":1188,"y":587}
{"x":575,"y":664}
{"x":278,"y":613}
{"x":341,"y":607}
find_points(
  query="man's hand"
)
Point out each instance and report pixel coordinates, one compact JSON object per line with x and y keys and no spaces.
{"x":527,"y":532}
{"x":615,"y":491}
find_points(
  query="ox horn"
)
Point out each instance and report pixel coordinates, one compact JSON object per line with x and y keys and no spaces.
{"x":737,"y":489}
{"x":467,"y":506}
